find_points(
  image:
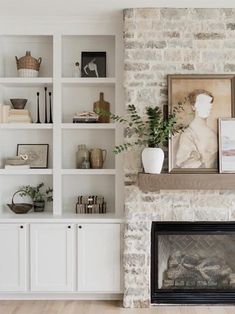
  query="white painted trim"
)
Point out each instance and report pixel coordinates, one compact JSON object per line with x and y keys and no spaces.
{"x":61,"y":296}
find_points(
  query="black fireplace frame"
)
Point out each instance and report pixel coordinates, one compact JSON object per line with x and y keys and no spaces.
{"x":187,"y":296}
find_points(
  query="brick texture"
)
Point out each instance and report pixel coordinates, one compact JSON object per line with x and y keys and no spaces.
{"x":159,"y":42}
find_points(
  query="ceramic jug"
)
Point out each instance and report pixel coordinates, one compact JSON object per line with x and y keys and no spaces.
{"x":97,"y":158}
{"x":82,"y":154}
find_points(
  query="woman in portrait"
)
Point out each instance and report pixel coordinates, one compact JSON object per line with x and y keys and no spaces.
{"x":198,"y":143}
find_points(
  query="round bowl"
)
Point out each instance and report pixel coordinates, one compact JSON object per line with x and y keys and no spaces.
{"x":18,"y":103}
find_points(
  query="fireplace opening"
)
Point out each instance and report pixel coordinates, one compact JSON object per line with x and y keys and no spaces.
{"x":193,"y":263}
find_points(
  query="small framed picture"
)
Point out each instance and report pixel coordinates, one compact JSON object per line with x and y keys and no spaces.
{"x":227,"y":145}
{"x":37,"y":154}
{"x":93,"y":64}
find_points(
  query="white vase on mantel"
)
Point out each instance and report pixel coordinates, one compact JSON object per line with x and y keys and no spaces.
{"x":152,"y":159}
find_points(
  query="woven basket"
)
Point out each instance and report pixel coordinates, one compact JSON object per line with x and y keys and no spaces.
{"x":19,"y":208}
{"x":28,"y":66}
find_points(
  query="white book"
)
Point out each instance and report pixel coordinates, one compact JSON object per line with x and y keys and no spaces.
{"x":1,"y":118}
{"x":5,"y":113}
{"x":17,"y":167}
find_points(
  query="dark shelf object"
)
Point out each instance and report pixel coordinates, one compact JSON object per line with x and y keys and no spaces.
{"x":50,"y":118}
{"x":45,"y":89}
{"x":38,"y":109}
{"x":165,"y":181}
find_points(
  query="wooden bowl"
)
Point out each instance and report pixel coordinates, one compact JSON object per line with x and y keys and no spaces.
{"x":18,"y":103}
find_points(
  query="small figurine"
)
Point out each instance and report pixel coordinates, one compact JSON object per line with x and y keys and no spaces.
{"x":77,"y":70}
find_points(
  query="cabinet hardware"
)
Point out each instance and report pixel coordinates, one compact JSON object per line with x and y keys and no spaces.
{"x":21,"y":227}
{"x":69,"y":227}
{"x":80,"y":227}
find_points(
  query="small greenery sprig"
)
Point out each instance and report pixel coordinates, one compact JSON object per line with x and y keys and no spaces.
{"x":153,"y":130}
{"x":37,"y":194}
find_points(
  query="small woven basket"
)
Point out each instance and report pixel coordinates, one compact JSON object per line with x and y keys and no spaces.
{"x":19,"y":208}
{"x":28,"y":66}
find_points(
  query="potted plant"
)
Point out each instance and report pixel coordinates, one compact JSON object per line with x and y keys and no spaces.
{"x":39,"y":195}
{"x":151,"y":132}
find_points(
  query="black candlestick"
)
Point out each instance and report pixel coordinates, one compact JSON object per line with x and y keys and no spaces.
{"x":45,"y":88}
{"x":51,"y":119}
{"x":38,"y":109}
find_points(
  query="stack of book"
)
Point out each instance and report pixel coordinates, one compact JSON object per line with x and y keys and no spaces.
{"x":91,"y":205}
{"x":8,"y":115}
{"x":17,"y":162}
{"x":85,"y":117}
{"x":4,"y":113}
{"x":19,"y":116}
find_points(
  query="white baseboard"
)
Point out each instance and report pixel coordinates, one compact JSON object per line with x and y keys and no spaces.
{"x":60,"y":296}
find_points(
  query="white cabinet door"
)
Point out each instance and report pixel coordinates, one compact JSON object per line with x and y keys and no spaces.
{"x":52,"y":257}
{"x":13,"y":259}
{"x":98,"y":257}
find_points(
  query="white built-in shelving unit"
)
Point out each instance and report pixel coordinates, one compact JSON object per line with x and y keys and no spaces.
{"x":59,"y":52}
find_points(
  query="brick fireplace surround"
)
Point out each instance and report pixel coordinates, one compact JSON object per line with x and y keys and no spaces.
{"x":159,"y":42}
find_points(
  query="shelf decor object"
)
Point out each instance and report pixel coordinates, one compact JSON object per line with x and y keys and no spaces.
{"x":37,"y":153}
{"x":28,"y":66}
{"x":45,"y":90}
{"x":82,"y":155}
{"x":77,"y":70}
{"x":19,"y":208}
{"x":18,"y":103}
{"x":91,"y":205}
{"x":204,"y":99}
{"x":97,"y":158}
{"x":85,"y":117}
{"x":93,"y":64}
{"x":227,"y":145}
{"x":50,"y":100}
{"x":38,"y":108}
{"x":101,"y":104}
{"x":39,"y":195}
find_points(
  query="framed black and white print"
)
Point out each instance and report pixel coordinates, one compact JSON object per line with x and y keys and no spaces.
{"x":37,"y":154}
{"x":93,"y":64}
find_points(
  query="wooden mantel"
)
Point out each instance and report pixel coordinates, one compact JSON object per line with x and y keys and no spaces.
{"x":165,"y":181}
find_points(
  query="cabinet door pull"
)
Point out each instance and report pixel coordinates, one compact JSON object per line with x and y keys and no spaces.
{"x":69,"y":227}
{"x":80,"y":227}
{"x":21,"y":227}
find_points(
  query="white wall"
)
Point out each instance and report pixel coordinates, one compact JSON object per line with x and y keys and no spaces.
{"x":103,"y":8}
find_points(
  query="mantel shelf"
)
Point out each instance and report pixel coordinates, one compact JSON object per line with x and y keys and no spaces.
{"x":156,"y":182}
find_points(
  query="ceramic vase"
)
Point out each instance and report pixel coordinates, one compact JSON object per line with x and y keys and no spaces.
{"x":152,"y":159}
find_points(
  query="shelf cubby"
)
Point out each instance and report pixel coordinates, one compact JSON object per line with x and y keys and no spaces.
{"x":26,"y":91}
{"x":78,"y":98}
{"x":11,"y":46}
{"x":10,"y":184}
{"x":73,"y":186}
{"x":72,"y":46}
{"x":9,"y":138}
{"x":99,"y":138}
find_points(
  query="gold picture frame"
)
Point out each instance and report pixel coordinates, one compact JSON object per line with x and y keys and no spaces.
{"x":205,"y":99}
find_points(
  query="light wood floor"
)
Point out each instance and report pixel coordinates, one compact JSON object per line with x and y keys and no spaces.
{"x":101,"y":307}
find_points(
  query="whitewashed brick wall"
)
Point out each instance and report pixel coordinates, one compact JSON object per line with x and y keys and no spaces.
{"x":159,"y":42}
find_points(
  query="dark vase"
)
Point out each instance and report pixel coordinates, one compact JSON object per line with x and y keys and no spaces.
{"x":39,"y":206}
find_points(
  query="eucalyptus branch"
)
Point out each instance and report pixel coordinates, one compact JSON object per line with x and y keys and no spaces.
{"x":154,"y":130}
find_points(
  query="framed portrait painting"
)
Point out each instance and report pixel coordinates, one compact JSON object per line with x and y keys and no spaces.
{"x":227,"y":145}
{"x":37,"y":154}
{"x":204,"y":99}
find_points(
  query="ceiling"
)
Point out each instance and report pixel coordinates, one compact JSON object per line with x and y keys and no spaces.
{"x":107,"y":8}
